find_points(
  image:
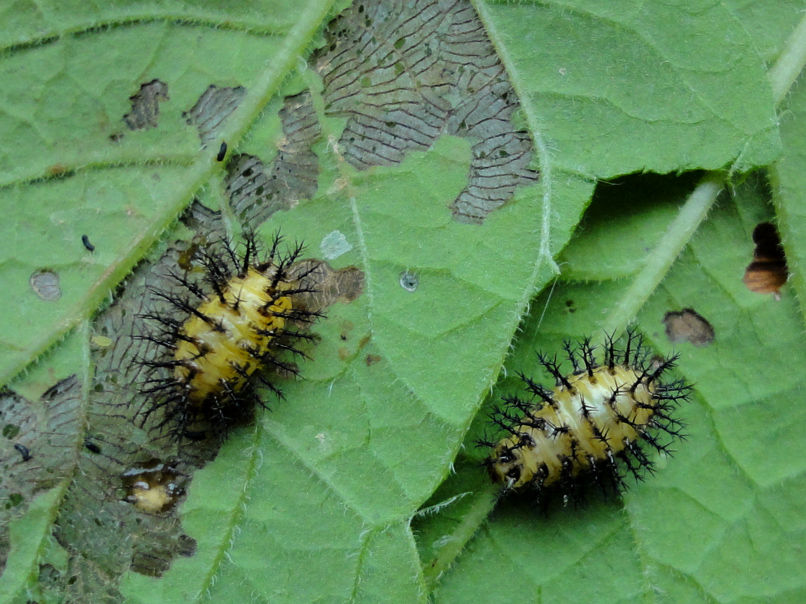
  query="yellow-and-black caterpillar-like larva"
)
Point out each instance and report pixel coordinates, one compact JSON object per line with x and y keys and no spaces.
{"x":591,"y":423}
{"x":224,"y":329}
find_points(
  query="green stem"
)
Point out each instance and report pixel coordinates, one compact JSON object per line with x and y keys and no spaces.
{"x":484,"y":501}
{"x":660,"y":259}
{"x":790,"y":63}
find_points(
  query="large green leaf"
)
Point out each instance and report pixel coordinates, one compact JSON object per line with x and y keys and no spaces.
{"x":406,"y":104}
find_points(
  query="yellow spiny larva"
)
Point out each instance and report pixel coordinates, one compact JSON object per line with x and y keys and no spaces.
{"x":593,"y":417}
{"x":235,"y":322}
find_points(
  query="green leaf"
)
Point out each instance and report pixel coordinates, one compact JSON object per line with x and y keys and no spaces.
{"x":410,"y":126}
{"x":27,"y":536}
{"x":622,"y":87}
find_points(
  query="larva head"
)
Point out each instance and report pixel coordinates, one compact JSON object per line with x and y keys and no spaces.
{"x":592,"y":417}
{"x":508,"y":466}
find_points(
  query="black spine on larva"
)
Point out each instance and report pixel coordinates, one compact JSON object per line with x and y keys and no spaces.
{"x":571,"y":353}
{"x":620,"y":446}
{"x":538,"y":390}
{"x":183,"y":295}
{"x":588,"y":356}
{"x":553,"y":368}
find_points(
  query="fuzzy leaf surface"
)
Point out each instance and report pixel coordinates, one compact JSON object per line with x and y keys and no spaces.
{"x":315,"y":500}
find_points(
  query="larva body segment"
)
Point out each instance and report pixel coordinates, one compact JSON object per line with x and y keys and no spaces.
{"x":594,"y":416}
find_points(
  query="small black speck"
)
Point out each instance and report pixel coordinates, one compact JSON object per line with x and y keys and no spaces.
{"x":91,"y":446}
{"x":23,"y":450}
{"x":222,"y":152}
{"x":86,"y":241}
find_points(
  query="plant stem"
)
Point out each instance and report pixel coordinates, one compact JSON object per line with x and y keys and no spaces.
{"x":661,"y":258}
{"x":475,"y":515}
{"x":790,"y":63}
